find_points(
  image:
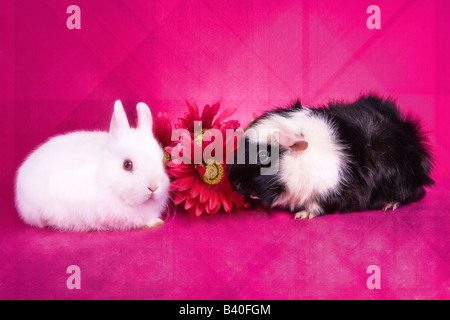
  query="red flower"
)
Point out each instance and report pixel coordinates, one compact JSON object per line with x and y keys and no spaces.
{"x":162,"y":129}
{"x":203,"y":187}
{"x":207,"y":118}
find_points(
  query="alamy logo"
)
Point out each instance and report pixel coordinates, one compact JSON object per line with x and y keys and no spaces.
{"x":214,"y":146}
{"x":374,"y":20}
{"x":374,"y":281}
{"x":74,"y":20}
{"x":74,"y":280}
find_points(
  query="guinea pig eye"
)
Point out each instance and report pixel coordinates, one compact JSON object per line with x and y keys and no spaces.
{"x":263,"y":156}
{"x":127,"y":165}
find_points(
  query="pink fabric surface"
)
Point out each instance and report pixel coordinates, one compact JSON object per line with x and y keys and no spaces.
{"x":252,"y":55}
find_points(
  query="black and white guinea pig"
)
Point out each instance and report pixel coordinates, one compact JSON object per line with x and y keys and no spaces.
{"x":345,"y":157}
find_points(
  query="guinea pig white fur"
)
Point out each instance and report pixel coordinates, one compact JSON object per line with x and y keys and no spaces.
{"x":85,"y":181}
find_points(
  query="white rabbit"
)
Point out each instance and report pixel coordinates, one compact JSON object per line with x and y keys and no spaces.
{"x":84,"y":181}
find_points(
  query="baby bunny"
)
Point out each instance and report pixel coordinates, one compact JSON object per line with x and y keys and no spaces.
{"x":85,"y":181}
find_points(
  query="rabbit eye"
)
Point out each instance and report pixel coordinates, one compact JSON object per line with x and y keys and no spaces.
{"x":128,"y":165}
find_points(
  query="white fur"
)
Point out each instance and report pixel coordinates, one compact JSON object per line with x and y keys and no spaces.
{"x":77,"y":182}
{"x":311,"y":173}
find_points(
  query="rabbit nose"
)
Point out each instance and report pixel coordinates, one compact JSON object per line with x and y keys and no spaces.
{"x":152,"y":188}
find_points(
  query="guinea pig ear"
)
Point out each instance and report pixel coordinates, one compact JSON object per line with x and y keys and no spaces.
{"x":119,"y":121}
{"x":145,"y":120}
{"x":294,"y":142}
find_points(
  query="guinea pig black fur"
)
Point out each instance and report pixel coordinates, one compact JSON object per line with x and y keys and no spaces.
{"x":344,"y":157}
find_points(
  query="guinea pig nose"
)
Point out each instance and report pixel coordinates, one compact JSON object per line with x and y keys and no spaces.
{"x":152,"y":188}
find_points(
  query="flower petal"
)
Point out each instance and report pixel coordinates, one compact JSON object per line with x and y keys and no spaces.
{"x":180,"y":197}
{"x":214,"y":202}
{"x":226,"y":202}
{"x":225,"y":114}
{"x":184,"y":183}
{"x":199,"y":209}
{"x":178,"y":173}
{"x":206,"y":117}
{"x":192,"y":108}
{"x":215,"y":109}
{"x":230,"y":124}
{"x":207,"y":208}
{"x":204,"y":195}
{"x":162,"y":129}
{"x":196,"y":189}
{"x":190,"y":202}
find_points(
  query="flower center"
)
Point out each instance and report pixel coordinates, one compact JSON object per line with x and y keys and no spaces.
{"x":166,"y":158}
{"x":199,"y":137}
{"x":213,"y":173}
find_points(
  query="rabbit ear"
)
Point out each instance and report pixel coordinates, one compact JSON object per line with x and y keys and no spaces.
{"x":145,"y":121}
{"x":119,"y":121}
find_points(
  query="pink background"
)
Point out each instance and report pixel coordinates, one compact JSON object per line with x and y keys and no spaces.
{"x":253,"y":55}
